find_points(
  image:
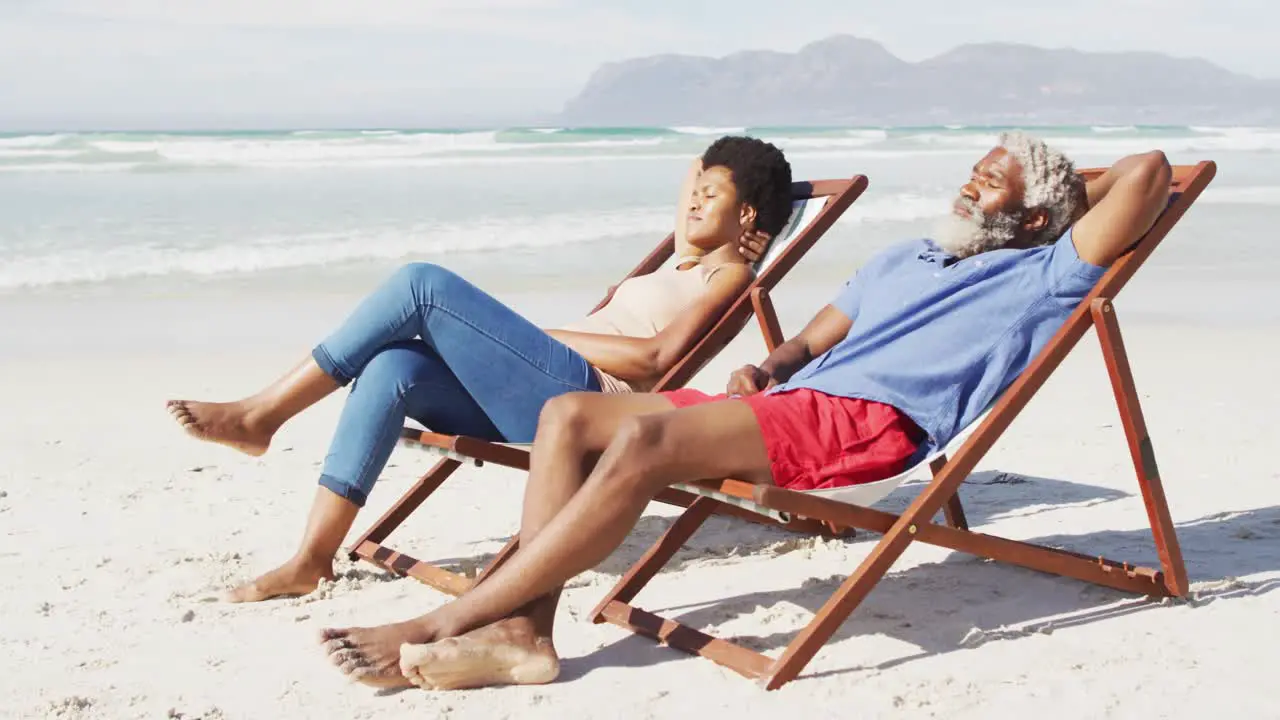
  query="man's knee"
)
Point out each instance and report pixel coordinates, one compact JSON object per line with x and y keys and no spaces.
{"x":569,"y":413}
{"x":642,"y":444}
{"x":642,"y":433}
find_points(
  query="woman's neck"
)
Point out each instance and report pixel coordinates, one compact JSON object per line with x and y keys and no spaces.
{"x":723,"y":255}
{"x":687,"y":250}
{"x":727,"y":253}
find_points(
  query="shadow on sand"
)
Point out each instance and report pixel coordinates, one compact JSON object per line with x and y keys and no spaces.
{"x":937,"y":607}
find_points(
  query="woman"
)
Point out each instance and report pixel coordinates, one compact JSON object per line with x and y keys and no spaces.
{"x":431,"y":346}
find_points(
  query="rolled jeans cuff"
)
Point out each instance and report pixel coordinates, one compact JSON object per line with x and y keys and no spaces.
{"x":343,"y":490}
{"x":327,"y":364}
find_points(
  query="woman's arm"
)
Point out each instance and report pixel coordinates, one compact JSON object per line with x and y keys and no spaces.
{"x":686,"y":199}
{"x":643,"y":359}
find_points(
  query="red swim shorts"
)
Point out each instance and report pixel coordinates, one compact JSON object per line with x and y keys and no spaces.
{"x":817,"y":441}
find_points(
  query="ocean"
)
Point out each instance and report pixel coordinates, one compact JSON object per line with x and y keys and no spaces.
{"x":80,"y":210}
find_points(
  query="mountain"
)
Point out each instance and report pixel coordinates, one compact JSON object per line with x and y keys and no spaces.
{"x":844,"y":80}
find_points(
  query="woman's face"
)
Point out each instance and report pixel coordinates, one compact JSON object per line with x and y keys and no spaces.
{"x":716,"y":217}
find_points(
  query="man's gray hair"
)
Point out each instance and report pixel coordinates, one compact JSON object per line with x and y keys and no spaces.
{"x":1051,"y":183}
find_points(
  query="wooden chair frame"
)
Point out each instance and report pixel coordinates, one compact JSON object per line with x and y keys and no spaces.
{"x":916,"y":522}
{"x":457,"y":450}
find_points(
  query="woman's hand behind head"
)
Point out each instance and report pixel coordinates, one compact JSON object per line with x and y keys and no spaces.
{"x":753,"y":244}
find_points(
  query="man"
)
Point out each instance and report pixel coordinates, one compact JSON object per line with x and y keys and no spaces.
{"x":917,"y":344}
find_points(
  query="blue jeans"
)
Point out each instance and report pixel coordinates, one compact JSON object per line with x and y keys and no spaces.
{"x":431,"y":346}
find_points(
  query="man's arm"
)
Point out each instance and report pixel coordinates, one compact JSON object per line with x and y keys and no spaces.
{"x":827,"y":328}
{"x":1123,"y":204}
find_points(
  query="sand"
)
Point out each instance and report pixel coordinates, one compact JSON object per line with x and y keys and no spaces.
{"x":118,"y":532}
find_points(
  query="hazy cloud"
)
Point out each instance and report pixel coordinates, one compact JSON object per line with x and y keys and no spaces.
{"x":394,"y":62}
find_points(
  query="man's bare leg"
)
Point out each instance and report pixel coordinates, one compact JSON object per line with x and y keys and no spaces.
{"x":327,"y":525}
{"x":248,"y":425}
{"x":647,"y":454}
{"x":572,"y":431}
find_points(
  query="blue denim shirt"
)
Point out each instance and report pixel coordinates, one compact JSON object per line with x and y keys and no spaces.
{"x":938,"y":337}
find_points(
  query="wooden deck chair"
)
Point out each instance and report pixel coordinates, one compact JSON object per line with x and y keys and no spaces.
{"x":815,"y":207}
{"x":846,"y":506}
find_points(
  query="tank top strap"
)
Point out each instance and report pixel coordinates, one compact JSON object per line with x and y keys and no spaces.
{"x":707,"y":272}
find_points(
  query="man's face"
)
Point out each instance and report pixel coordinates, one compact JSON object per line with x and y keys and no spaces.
{"x":988,"y":213}
{"x":995,"y":186}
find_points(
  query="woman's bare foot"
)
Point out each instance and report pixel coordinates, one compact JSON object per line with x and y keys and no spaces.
{"x":292,"y":579}
{"x":507,"y":652}
{"x":372,"y":655}
{"x":231,"y":424}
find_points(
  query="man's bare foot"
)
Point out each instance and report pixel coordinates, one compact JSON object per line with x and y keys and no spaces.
{"x":372,"y":655}
{"x":229,"y":424}
{"x":292,"y":579}
{"x":507,"y":652}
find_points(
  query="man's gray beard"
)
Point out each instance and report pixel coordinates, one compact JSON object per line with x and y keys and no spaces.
{"x":965,"y":236}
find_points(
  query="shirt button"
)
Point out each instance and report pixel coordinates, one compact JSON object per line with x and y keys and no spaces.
{"x":980,"y":263}
{"x":937,"y":274}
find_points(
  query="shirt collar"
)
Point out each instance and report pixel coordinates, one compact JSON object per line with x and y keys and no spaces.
{"x":931,"y":253}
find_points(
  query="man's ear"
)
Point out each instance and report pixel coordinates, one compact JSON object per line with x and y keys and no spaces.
{"x":747,"y":217}
{"x":1035,"y":220}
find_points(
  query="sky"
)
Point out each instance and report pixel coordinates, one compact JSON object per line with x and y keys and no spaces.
{"x":88,"y":64}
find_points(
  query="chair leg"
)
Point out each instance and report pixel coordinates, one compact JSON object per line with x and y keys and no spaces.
{"x":657,"y":556}
{"x":953,"y":511}
{"x":1144,"y":459}
{"x":944,"y":485}
{"x":401,"y":510}
{"x":503,"y":555}
{"x":800,"y":525}
{"x":840,"y":605}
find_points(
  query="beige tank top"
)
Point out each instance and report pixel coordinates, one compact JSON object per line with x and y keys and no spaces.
{"x":643,"y":305}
